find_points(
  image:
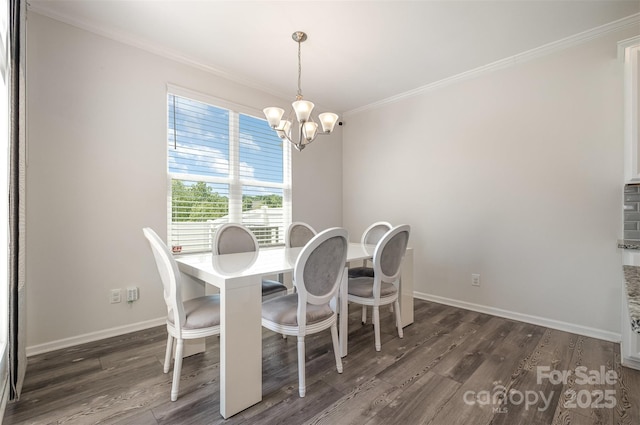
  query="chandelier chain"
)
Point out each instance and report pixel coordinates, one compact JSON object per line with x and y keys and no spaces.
{"x":299,"y":71}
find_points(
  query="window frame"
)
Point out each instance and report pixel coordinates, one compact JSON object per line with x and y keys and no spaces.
{"x":234,"y":180}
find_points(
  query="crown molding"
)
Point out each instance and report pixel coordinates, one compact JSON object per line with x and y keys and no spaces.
{"x":537,"y":52}
{"x":528,"y":55}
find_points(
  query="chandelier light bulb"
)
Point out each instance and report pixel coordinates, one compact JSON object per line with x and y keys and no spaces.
{"x":274,"y":115}
{"x":303,"y":109}
{"x":310,"y":130}
{"x":328,"y":121}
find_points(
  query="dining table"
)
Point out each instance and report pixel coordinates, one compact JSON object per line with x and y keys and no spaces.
{"x":238,"y":278}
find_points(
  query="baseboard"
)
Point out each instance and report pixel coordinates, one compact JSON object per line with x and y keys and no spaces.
{"x":4,"y":398}
{"x":630,"y":363}
{"x":4,"y":380}
{"x":535,"y":320}
{"x":93,"y":336}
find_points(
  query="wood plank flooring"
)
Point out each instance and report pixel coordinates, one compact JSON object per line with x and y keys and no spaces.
{"x":453,"y":366}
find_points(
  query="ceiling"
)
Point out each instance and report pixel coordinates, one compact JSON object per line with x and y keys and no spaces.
{"x":357,"y":53}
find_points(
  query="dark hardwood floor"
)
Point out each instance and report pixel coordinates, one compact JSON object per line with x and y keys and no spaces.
{"x":453,"y":367}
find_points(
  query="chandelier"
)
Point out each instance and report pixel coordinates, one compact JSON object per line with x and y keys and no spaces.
{"x":304,"y":130}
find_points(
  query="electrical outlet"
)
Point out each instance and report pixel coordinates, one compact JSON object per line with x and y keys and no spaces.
{"x":475,"y":279}
{"x":115,"y":296}
{"x":132,"y":293}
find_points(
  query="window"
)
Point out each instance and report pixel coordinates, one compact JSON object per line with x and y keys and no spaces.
{"x":225,"y":165}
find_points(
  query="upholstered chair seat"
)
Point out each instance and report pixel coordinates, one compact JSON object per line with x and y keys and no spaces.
{"x":201,"y":312}
{"x":284,"y":310}
{"x":363,"y":287}
{"x":271,"y":288}
{"x":361,"y":272}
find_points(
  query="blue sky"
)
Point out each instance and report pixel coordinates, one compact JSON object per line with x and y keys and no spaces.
{"x":203,"y":145}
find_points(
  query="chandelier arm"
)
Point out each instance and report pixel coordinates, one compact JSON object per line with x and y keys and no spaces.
{"x":298,"y":145}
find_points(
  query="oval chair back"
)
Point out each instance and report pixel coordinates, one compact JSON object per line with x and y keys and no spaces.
{"x":388,"y":256}
{"x":370,"y":236}
{"x":232,"y":238}
{"x":375,"y":232}
{"x":318,"y":270}
{"x":298,"y":234}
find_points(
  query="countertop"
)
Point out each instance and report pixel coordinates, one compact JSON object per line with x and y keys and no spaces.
{"x":629,"y":244}
{"x":632,"y":283}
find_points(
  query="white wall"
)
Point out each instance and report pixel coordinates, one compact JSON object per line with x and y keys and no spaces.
{"x":516,"y":175}
{"x":97,"y":174}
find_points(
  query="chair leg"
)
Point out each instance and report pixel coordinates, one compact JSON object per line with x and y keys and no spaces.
{"x":376,"y":325}
{"x":302,"y":388}
{"x":398,"y":319}
{"x":336,"y":347}
{"x":177,"y":369}
{"x":364,"y":314}
{"x":167,"y":355}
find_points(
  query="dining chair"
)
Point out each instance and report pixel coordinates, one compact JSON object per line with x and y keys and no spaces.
{"x":233,"y":238}
{"x":195,"y":318}
{"x":383,"y":287}
{"x":370,"y":236}
{"x":318,"y":273}
{"x":298,"y":234}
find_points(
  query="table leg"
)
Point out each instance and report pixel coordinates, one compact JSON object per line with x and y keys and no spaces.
{"x":343,"y":330}
{"x":406,"y":289}
{"x":240,"y":345}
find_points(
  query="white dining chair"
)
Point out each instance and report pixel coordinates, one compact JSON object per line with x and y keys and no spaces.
{"x":318,"y":273}
{"x":370,"y":236}
{"x":298,"y":234}
{"x":195,"y":318}
{"x":383,"y":288}
{"x":233,"y":238}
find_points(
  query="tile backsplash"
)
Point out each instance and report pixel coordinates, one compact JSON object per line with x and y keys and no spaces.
{"x":632,"y":211}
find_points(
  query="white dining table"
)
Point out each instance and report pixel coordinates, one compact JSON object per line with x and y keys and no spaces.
{"x":238,"y":278}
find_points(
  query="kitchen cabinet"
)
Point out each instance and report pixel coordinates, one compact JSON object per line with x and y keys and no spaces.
{"x":629,"y":53}
{"x":630,"y":344}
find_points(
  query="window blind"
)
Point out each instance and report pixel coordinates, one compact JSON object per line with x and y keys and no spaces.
{"x":224,"y":166}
